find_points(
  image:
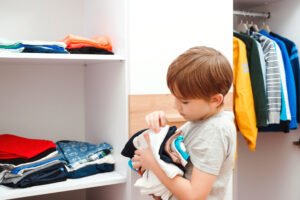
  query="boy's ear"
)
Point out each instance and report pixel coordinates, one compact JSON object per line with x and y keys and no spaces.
{"x":217,"y":99}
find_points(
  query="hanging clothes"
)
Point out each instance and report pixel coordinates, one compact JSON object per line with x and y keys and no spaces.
{"x":294,"y":59}
{"x":285,"y":115}
{"x":244,"y":109}
{"x":273,"y":84}
{"x":290,"y":80}
{"x":257,"y":80}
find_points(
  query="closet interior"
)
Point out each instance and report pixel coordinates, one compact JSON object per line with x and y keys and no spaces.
{"x":272,"y":170}
{"x":67,"y":96}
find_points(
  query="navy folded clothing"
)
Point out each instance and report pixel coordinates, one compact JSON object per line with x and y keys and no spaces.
{"x":91,"y":169}
{"x":43,"y":49}
{"x":50,"y":174}
{"x":89,"y":50}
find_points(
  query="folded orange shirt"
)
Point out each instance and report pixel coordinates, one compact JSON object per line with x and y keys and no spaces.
{"x":74,"y":41}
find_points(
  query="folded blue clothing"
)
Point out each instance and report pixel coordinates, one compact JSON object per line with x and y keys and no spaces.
{"x":43,"y":49}
{"x":54,"y":47}
{"x":90,"y":170}
{"x":75,"y":152}
{"x":16,"y":170}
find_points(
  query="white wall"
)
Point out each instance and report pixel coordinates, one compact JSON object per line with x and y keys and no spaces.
{"x":272,"y":171}
{"x":161,"y":30}
{"x":40,"y":20}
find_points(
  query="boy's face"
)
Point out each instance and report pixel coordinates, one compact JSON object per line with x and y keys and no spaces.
{"x":194,"y":109}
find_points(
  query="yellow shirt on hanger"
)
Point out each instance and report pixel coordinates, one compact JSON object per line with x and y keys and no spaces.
{"x":242,"y":94}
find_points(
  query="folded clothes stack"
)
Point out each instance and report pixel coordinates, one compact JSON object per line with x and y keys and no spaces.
{"x":84,"y":159}
{"x":27,"y":162}
{"x":81,"y":45}
{"x":7,"y":46}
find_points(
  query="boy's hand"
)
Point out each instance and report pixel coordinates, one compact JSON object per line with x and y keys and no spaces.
{"x":144,"y":158}
{"x":155,"y":120}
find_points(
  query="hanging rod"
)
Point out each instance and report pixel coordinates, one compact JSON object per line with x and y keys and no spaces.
{"x":252,"y":14}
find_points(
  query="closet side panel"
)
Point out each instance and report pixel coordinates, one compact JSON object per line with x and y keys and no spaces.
{"x":107,"y":118}
{"x":106,"y":107}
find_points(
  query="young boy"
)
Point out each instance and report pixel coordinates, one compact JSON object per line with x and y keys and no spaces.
{"x":198,"y":79}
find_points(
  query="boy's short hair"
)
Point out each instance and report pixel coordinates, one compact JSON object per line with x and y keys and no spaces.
{"x":200,"y":72}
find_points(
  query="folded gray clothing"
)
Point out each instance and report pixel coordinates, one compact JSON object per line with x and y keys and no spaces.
{"x":14,"y":178}
{"x":5,"y":166}
{"x":7,"y":172}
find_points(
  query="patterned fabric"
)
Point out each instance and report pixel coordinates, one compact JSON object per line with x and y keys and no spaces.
{"x":77,"y":153}
{"x":273,"y":84}
{"x":290,"y":81}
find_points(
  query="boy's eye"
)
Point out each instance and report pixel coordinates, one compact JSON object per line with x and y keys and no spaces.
{"x":184,"y":102}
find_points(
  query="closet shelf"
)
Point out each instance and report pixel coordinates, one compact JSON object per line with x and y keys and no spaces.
{"x":45,"y":58}
{"x":96,"y":180}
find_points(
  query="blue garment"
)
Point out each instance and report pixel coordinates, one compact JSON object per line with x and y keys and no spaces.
{"x":290,"y":80}
{"x":75,"y":152}
{"x":42,"y":49}
{"x":16,"y":170}
{"x":90,"y":170}
{"x":283,"y":113}
{"x":47,"y":175}
{"x":294,"y":58}
{"x":54,"y":47}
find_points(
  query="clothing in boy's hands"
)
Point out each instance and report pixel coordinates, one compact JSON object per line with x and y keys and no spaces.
{"x":149,"y":183}
{"x":175,"y":148}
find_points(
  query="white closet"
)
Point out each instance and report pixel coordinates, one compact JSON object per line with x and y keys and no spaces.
{"x":73,"y":97}
{"x":272,"y":171}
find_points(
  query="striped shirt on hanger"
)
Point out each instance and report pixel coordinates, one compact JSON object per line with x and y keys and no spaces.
{"x":273,"y":84}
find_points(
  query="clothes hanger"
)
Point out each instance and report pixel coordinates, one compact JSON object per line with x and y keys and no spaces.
{"x":265,"y":27}
{"x":250,"y":24}
{"x":254,"y":26}
{"x":242,"y":27}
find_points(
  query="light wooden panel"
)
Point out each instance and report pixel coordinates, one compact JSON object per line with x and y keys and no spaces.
{"x":141,"y":105}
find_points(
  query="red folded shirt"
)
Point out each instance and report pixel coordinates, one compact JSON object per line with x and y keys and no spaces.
{"x":12,"y":146}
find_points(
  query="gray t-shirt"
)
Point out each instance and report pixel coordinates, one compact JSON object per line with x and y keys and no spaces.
{"x":211,"y":144}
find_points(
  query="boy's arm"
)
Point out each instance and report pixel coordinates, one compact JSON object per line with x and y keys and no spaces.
{"x":197,"y":188}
